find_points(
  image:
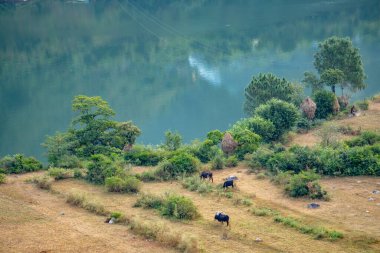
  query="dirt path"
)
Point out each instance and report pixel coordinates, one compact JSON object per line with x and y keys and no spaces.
{"x":33,"y":220}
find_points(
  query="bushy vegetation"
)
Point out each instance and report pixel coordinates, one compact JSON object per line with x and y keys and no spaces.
{"x":173,"y":140}
{"x":100,"y":168}
{"x":247,"y":141}
{"x":283,"y":115}
{"x":363,"y":105}
{"x":60,"y":173}
{"x":123,"y":184}
{"x":217,"y":163}
{"x":231,"y":161}
{"x":42,"y":182}
{"x":365,"y":138}
{"x":18,"y":163}
{"x":171,"y":205}
{"x":178,"y":165}
{"x":82,"y":200}
{"x":194,"y":183}
{"x":325,"y":103}
{"x":3,"y":178}
{"x":143,"y":155}
{"x":305,"y":184}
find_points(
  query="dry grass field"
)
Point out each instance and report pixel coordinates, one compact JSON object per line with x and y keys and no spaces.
{"x":35,"y":220}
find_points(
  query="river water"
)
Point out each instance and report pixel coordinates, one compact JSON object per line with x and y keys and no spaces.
{"x":166,"y":65}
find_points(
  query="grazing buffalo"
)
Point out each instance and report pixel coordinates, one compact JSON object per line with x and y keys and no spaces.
{"x":219,"y":216}
{"x":206,"y":174}
{"x":228,"y":183}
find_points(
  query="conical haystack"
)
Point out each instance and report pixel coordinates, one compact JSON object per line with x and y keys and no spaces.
{"x":228,"y":144}
{"x":308,"y":107}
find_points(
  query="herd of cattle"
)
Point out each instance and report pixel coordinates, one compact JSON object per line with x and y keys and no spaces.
{"x":219,"y":216}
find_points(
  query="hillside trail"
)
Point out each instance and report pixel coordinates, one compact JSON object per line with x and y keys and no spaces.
{"x":34,"y":220}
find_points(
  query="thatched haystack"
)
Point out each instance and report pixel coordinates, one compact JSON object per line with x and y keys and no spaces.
{"x":308,"y":107}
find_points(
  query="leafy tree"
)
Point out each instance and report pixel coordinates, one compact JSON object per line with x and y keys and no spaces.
{"x":215,"y":136}
{"x":332,"y":77}
{"x":325,"y":103}
{"x":247,"y":141}
{"x":311,"y":80}
{"x":100,"y":168}
{"x":267,"y":86}
{"x":282,"y":114}
{"x":339,"y":54}
{"x":172,"y":140}
{"x":59,"y":147}
{"x":124,"y":136}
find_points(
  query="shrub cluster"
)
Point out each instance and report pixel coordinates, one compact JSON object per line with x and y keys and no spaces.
{"x":341,"y":160}
{"x":100,"y":168}
{"x":3,"y":178}
{"x":123,"y":184}
{"x":19,"y":164}
{"x":179,"y":165}
{"x":146,"y":156}
{"x":60,"y":173}
{"x":305,"y":184}
{"x":194,"y":183}
{"x":171,"y":205}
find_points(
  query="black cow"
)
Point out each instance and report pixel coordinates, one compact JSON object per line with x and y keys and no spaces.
{"x":219,"y":216}
{"x":206,"y":174}
{"x":228,"y":183}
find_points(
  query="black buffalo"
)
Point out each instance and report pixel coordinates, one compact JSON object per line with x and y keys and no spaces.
{"x":228,"y":183}
{"x":219,"y":216}
{"x":206,"y":174}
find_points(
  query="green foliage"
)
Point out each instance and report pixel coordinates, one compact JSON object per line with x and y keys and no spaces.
{"x":78,"y":173}
{"x":61,"y":149}
{"x":282,"y":177}
{"x":179,"y":207}
{"x":332,"y":77}
{"x":260,"y":158}
{"x":126,"y":184}
{"x":283,"y":115}
{"x":148,"y":176}
{"x":339,"y":54}
{"x":267,"y":86}
{"x":207,"y":151}
{"x":180,"y":164}
{"x":231,"y":161}
{"x":325,"y":103}
{"x":312,"y":81}
{"x":365,"y":138}
{"x":172,"y":140}
{"x":19,"y":164}
{"x":146,"y":156}
{"x":247,"y":141}
{"x":149,"y":201}
{"x":42,"y":182}
{"x":119,"y":217}
{"x":360,"y":161}
{"x":303,"y":125}
{"x":194,"y":183}
{"x":215,"y":136}
{"x":3,"y":178}
{"x":60,"y":173}
{"x":99,"y":169}
{"x":329,"y":135}
{"x":305,"y":184}
{"x":217,"y":163}
{"x":363,"y":105}
{"x":262,"y":127}
{"x":283,"y":161}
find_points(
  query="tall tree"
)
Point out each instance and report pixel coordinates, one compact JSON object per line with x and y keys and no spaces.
{"x":311,"y":80}
{"x":332,"y":77}
{"x":267,"y":86}
{"x":339,"y":54}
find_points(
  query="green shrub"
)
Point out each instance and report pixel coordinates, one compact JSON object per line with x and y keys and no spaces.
{"x":78,"y":173}
{"x":260,"y":158}
{"x":179,"y":165}
{"x":60,"y":173}
{"x":231,"y":161}
{"x":207,"y":151}
{"x":42,"y":182}
{"x":148,"y":176}
{"x":282,"y":114}
{"x":119,"y":217}
{"x":19,"y":164}
{"x":140,"y":155}
{"x":173,"y":140}
{"x":68,"y":162}
{"x":325,"y":103}
{"x":283,"y":161}
{"x":217,"y":163}
{"x":215,"y":136}
{"x":360,"y":161}
{"x":127,"y":184}
{"x":100,"y":168}
{"x":3,"y":178}
{"x":179,"y":207}
{"x":305,"y":184}
{"x":282,"y":178}
{"x":194,"y":183}
{"x":365,"y":138}
{"x":149,"y":201}
{"x":363,"y":105}
{"x":303,"y":125}
{"x":248,"y":142}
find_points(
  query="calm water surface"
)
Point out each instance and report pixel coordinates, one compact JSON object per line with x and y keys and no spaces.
{"x":166,"y":65}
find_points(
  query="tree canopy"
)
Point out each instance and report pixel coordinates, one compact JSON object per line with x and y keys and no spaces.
{"x":338,"y":54}
{"x":267,"y":86}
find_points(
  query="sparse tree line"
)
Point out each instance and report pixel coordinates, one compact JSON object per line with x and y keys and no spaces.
{"x":101,"y":147}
